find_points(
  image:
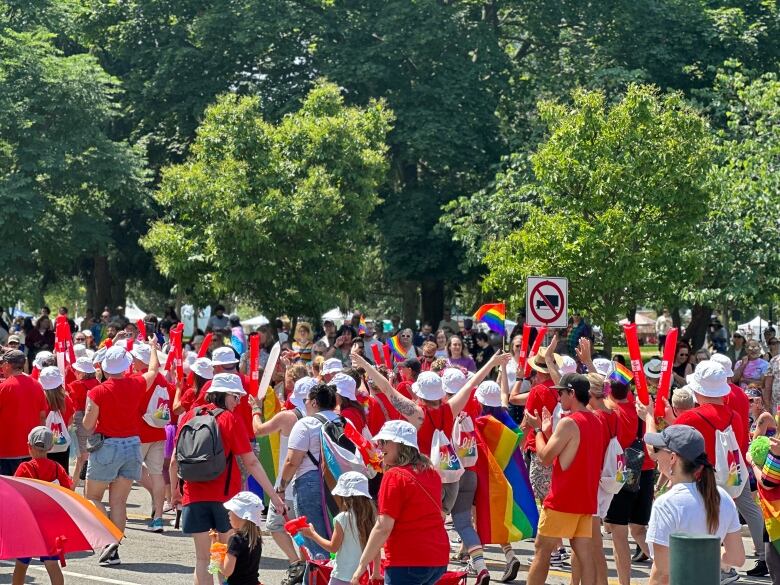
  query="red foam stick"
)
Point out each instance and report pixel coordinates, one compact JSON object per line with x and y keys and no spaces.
{"x":665,"y":383}
{"x":388,"y":359}
{"x":141,"y":328}
{"x":635,"y":355}
{"x":254,"y":363}
{"x":522,"y":358}
{"x":540,"y":333}
{"x":178,"y":349}
{"x":377,"y":356}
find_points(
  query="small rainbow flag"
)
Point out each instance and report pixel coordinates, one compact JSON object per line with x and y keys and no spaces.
{"x":621,"y":374}
{"x":492,"y":315}
{"x":395,"y":346}
{"x":362,"y":328}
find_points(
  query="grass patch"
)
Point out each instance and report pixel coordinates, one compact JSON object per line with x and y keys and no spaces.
{"x":648,"y":351}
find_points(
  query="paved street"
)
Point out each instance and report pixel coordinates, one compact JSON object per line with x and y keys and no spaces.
{"x":169,"y":558}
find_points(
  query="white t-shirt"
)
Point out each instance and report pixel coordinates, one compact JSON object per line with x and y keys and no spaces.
{"x":305,"y":436}
{"x":681,"y":509}
{"x":348,"y":556}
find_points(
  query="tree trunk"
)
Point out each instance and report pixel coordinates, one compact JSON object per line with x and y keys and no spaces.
{"x":432,"y":293}
{"x":631,"y":314}
{"x":101,"y":276}
{"x":676,"y":319}
{"x":410,"y":306}
{"x":697,"y":329}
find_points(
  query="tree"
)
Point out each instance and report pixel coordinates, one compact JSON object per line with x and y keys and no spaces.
{"x":274,"y":213}
{"x":620,"y":189}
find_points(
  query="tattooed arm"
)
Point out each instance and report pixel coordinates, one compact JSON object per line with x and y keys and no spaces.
{"x":410,"y":411}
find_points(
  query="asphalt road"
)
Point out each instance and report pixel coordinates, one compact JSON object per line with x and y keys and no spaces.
{"x":169,"y":558}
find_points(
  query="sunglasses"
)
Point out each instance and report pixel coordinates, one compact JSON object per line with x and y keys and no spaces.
{"x":683,"y":354}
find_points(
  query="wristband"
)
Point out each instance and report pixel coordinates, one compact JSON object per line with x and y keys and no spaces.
{"x":538,"y":430}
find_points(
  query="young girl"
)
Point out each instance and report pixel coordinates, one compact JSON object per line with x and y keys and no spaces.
{"x":351,"y":527}
{"x":242,"y":561}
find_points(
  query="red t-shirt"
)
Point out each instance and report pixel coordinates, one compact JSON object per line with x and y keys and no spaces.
{"x":439,"y":418}
{"x":22,"y":402}
{"x":355,"y":417}
{"x":628,"y":424}
{"x":413,"y":500}
{"x":739,"y":402}
{"x":148,"y":433}
{"x":376,"y":414}
{"x":575,"y":490}
{"x":473,"y":406}
{"x":405,"y":389}
{"x":541,"y":395}
{"x":45,"y":470}
{"x":190,"y":401}
{"x":242,"y":411}
{"x":78,"y":392}
{"x":610,"y":424}
{"x":70,"y":375}
{"x":118,"y":399}
{"x":706,"y":418}
{"x":235,"y":443}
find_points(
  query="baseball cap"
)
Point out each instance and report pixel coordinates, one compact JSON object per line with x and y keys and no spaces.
{"x":428,"y":386}
{"x":14,"y":356}
{"x":453,"y":380}
{"x":14,"y":339}
{"x":41,"y":438}
{"x":116,"y":360}
{"x":653,"y":368}
{"x":345,"y":385}
{"x":398,"y":431}
{"x":332,"y":366}
{"x":50,"y":378}
{"x":709,"y":379}
{"x":684,"y":440}
{"x":41,"y":358}
{"x":301,"y":390}
{"x":142,"y":352}
{"x":575,"y":382}
{"x":246,"y":506}
{"x":413,"y":363}
{"x":227,"y":383}
{"x":203,"y":368}
{"x":489,"y":393}
{"x":84,"y":365}
{"x":351,"y":483}
{"x":223,"y":356}
{"x":725,"y":363}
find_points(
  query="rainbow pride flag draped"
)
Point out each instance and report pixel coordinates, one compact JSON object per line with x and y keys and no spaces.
{"x":769,"y":498}
{"x":395,"y":346}
{"x":493,"y":315}
{"x":268,"y":445}
{"x":362,"y":327}
{"x":506,"y":508}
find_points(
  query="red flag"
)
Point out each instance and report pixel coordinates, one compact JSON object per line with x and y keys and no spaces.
{"x":635,"y":355}
{"x":254,"y":363}
{"x":522,"y":358}
{"x":540,"y":333}
{"x":665,"y":383}
{"x":377,"y":356}
{"x":141,"y":328}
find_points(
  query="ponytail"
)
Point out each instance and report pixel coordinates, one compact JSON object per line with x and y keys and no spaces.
{"x":708,"y":488}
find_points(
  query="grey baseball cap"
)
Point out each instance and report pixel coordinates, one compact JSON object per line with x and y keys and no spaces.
{"x":41,"y":437}
{"x":683,"y":440}
{"x":14,"y":356}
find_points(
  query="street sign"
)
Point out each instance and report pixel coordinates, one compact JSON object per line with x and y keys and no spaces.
{"x":546,"y":301}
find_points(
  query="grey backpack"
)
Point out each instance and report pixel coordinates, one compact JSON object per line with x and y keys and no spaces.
{"x":199,"y":450}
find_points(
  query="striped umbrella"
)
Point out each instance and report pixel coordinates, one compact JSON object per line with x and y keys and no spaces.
{"x":39,"y":518}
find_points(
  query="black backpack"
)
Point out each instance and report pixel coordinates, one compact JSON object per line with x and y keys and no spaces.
{"x":634,"y":456}
{"x":200,"y":453}
{"x":335,"y":430}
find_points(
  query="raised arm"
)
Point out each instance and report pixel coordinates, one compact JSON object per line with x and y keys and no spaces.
{"x":459,"y":400}
{"x":154,"y":362}
{"x":411,"y":411}
{"x":549,"y":359}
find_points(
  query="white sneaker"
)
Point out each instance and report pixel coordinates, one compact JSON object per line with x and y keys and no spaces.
{"x":729,"y":576}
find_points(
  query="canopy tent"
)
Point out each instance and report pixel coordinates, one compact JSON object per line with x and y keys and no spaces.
{"x":754,"y":328}
{"x":336,"y":316}
{"x":255,"y":322}
{"x":132,"y":312}
{"x":640,"y":320}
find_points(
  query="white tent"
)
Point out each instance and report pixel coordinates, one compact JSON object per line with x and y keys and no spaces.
{"x":336,"y":316}
{"x":132,"y":312}
{"x":640,"y":320}
{"x":255,"y":321}
{"x":754,"y":328}
{"x":187,"y":316}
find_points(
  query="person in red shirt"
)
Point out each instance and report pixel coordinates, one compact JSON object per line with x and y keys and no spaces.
{"x":59,"y":413}
{"x":348,"y":406}
{"x":22,"y":407}
{"x":379,"y":408}
{"x":224,"y":361}
{"x":194,"y":396}
{"x":86,"y":379}
{"x":409,"y":370}
{"x":573,"y":498}
{"x":202,"y":500}
{"x":111,"y":413}
{"x":410,"y":525}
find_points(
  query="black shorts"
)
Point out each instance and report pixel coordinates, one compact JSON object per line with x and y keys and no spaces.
{"x":633,"y":507}
{"x":204,"y":516}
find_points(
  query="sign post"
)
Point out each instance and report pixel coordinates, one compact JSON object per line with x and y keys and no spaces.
{"x":547,"y":301}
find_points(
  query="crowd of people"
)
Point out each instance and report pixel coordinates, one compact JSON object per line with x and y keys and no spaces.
{"x":599,"y":461}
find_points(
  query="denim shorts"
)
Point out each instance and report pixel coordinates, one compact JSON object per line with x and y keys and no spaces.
{"x":203,"y":516}
{"x":116,"y":458}
{"x":413,"y":575}
{"x":26,"y":561}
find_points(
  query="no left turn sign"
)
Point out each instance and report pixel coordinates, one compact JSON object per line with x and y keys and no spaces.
{"x":546,"y":301}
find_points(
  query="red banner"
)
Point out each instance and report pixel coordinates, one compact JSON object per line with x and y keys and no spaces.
{"x":254,"y":363}
{"x":523,"y":357}
{"x":141,"y":328}
{"x":665,"y":383}
{"x":540,"y":333}
{"x":377,"y":355}
{"x":635,"y":355}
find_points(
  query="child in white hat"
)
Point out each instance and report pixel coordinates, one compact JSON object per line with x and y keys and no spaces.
{"x":242,"y":559}
{"x":351,"y":527}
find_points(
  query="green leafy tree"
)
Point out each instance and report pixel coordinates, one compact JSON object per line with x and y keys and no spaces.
{"x":276,"y":214}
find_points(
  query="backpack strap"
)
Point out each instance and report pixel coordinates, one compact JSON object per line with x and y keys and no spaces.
{"x":323,"y":420}
{"x":298,"y":413}
{"x":229,"y":473}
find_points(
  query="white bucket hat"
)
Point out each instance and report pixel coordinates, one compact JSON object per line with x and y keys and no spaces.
{"x":50,"y":378}
{"x":41,"y":357}
{"x":489,"y":393}
{"x":84,"y":365}
{"x":79,"y":350}
{"x":351,"y":483}
{"x":97,"y":358}
{"x":189,"y":359}
{"x":603,"y":366}
{"x":332,"y":366}
{"x":203,"y":368}
{"x":142,"y":352}
{"x":227,"y":383}
{"x":453,"y":380}
{"x":653,"y":368}
{"x":398,"y":431}
{"x":116,"y":360}
{"x":709,"y":380}
{"x":428,"y":386}
{"x":345,"y":385}
{"x":566,"y":364}
{"x":725,"y":363}
{"x":301,"y":391}
{"x":246,"y":506}
{"x":223,"y":356}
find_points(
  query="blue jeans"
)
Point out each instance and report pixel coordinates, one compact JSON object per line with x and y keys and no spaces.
{"x":308,"y":501}
{"x":413,"y":575}
{"x":118,"y":457}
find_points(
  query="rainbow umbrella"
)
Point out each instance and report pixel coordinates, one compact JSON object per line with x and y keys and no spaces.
{"x":39,"y":518}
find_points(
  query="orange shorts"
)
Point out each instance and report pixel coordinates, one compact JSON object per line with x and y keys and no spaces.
{"x":565,"y":525}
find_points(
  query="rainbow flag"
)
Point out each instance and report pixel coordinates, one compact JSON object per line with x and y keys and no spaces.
{"x":621,"y":374}
{"x":362,"y":328}
{"x":395,"y":346}
{"x":492,"y":315}
{"x":268,"y":445}
{"x":506,"y":508}
{"x":769,"y":498}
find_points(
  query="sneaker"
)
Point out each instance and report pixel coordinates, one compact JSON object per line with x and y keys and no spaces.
{"x":470,"y":570}
{"x":760,"y":570}
{"x":639,"y":556}
{"x":107,"y":552}
{"x":564,"y":553}
{"x":729,"y":576}
{"x":483,"y":578}
{"x":511,"y":571}
{"x":113,"y":559}
{"x":157,"y":525}
{"x":294,"y":573}
{"x":556,"y":559}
